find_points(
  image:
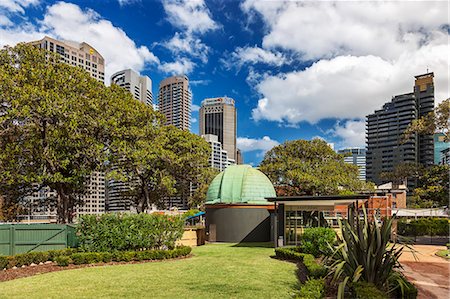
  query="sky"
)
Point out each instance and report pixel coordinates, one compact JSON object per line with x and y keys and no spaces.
{"x":296,"y":69}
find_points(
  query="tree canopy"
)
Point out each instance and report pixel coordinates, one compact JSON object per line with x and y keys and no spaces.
{"x":58,"y":125}
{"x":303,"y":167}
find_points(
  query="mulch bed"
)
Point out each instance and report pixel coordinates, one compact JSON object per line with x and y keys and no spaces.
{"x":11,"y":274}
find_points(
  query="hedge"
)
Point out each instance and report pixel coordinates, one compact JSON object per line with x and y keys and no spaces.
{"x":312,"y":289}
{"x":26,"y":259}
{"x":315,"y":270}
{"x":81,"y":258}
{"x":423,"y":227}
{"x":317,"y":241}
{"x":128,"y":232}
{"x":365,"y":290}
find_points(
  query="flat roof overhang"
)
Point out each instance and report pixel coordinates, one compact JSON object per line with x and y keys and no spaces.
{"x":318,"y":202}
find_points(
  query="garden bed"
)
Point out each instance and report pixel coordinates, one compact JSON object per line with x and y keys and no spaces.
{"x":10,"y":274}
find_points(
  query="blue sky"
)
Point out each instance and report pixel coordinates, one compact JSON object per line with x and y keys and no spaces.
{"x":295,"y":69}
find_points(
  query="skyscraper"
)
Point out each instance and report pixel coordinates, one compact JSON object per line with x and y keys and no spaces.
{"x":439,"y":146}
{"x":76,"y":54}
{"x":219,"y":157}
{"x":85,"y":56}
{"x":385,"y":127}
{"x":175,"y":101}
{"x":139,"y":86}
{"x":356,"y":156}
{"x":218,"y":117}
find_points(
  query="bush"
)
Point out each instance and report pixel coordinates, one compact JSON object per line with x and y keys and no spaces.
{"x":317,"y":241}
{"x":423,"y":227}
{"x":3,"y":262}
{"x":63,"y":260}
{"x":365,"y":290}
{"x":125,"y":232}
{"x":53,"y":254}
{"x":312,"y":289}
{"x":315,"y":270}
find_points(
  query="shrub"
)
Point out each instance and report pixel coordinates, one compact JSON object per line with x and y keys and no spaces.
{"x":364,"y":290}
{"x":63,"y":260}
{"x":124,"y":232}
{"x":315,"y":270}
{"x":312,"y":289}
{"x":53,"y":254}
{"x":4,"y":261}
{"x":423,"y":227}
{"x":78,"y":258}
{"x":317,"y":241}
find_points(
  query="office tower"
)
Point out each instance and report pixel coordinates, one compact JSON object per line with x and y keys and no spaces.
{"x":439,"y":146}
{"x":85,"y":56}
{"x":139,"y":86}
{"x":219,"y":157}
{"x":218,"y":117}
{"x":239,"y":157}
{"x":356,"y":156}
{"x":175,"y":100}
{"x":76,"y":54}
{"x":445,"y":156}
{"x":386,"y":147}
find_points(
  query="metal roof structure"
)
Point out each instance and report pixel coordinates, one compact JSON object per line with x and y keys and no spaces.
{"x":240,"y":184}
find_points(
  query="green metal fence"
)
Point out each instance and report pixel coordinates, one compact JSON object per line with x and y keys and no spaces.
{"x":21,"y":238}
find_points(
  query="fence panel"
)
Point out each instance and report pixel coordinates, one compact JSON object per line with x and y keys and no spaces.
{"x":21,"y":238}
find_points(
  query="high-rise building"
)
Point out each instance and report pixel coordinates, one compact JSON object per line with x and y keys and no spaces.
{"x":175,"y":101}
{"x":85,"y":56}
{"x":139,"y":86}
{"x":356,"y":156}
{"x":386,"y":147}
{"x":76,"y":54}
{"x":218,"y":117}
{"x":219,"y":157}
{"x":239,"y":157}
{"x":439,"y":146}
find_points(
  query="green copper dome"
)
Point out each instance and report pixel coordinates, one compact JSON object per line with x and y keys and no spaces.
{"x":240,"y":184}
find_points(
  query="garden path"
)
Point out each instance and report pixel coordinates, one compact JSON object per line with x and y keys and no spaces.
{"x":429,"y":272}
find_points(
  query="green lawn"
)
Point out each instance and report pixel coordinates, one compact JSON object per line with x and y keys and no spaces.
{"x":215,"y":271}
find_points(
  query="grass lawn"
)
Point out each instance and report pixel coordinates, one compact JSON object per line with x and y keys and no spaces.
{"x":215,"y":271}
{"x":443,"y":253}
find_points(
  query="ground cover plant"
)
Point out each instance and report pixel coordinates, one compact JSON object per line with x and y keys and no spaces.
{"x":125,"y":232}
{"x":214,"y":271}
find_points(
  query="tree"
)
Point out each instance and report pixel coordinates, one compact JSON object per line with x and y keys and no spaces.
{"x":55,"y":125}
{"x":302,"y":167}
{"x":436,"y":121}
{"x":159,"y":161}
{"x":404,"y":171}
{"x":434,"y":187}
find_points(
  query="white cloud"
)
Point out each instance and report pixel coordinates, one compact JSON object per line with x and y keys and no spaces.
{"x":325,"y":29}
{"x":193,"y":120}
{"x":17,"y":6}
{"x":352,"y":133}
{"x":195,"y":108}
{"x":347,"y":87}
{"x":69,"y":22}
{"x":254,"y":55}
{"x":179,"y":67}
{"x":187,"y":44}
{"x":127,"y":2}
{"x":250,"y":144}
{"x":190,"y":15}
{"x":5,"y":21}
{"x":199,"y":82}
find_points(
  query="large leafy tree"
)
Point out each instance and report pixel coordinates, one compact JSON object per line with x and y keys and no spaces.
{"x":159,"y":162}
{"x":434,"y":187}
{"x":303,"y":167}
{"x":54,"y":124}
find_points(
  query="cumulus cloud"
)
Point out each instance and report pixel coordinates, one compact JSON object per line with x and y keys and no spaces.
{"x":351,"y":132}
{"x":195,"y":108}
{"x":68,"y":21}
{"x":182,"y":66}
{"x":360,"y":55}
{"x":17,"y":6}
{"x":251,"y":144}
{"x":190,"y":15}
{"x":347,"y":87}
{"x":253,"y":55}
{"x":325,"y":29}
{"x":127,"y":2}
{"x":187,"y":44}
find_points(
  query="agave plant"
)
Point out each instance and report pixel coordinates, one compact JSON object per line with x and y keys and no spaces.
{"x":364,"y":253}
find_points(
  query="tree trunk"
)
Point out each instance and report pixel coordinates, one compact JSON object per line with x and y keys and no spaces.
{"x":62,"y":204}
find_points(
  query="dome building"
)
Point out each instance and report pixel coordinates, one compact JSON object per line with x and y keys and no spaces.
{"x":236,"y":206}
